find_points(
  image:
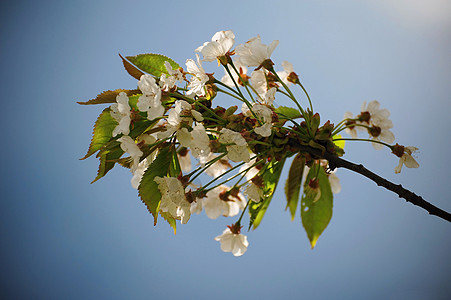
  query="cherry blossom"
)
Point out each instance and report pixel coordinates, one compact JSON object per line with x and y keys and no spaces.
{"x":129,"y":146}
{"x":233,"y":242}
{"x":120,"y":111}
{"x":218,"y":167}
{"x":215,"y":205}
{"x":220,"y":45}
{"x":237,"y":147}
{"x":406,"y":157}
{"x":380,"y":124}
{"x":181,"y":113}
{"x":150,"y":101}
{"x":253,"y":192}
{"x":253,"y":52}
{"x":196,"y":86}
{"x":287,"y":70}
{"x":173,"y":198}
{"x":168,"y":81}
{"x":265,"y":115}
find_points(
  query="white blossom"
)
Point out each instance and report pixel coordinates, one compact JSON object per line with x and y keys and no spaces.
{"x":233,"y":242}
{"x":168,"y":81}
{"x":258,"y":80}
{"x":200,"y":142}
{"x":351,"y":131}
{"x":138,"y":170}
{"x":287,"y":70}
{"x":150,"y":100}
{"x":252,"y":169}
{"x":237,"y":146}
{"x":270,"y":96}
{"x":217,"y":168}
{"x":231,"y":137}
{"x":138,"y":173}
{"x":379,"y":118}
{"x":196,"y":206}
{"x":334,"y":182}
{"x":120,"y":111}
{"x":253,"y":192}
{"x":173,"y":198}
{"x":214,"y":206}
{"x":253,"y":52}
{"x":129,"y":146}
{"x":196,"y":86}
{"x":221,"y":43}
{"x":407,"y":159}
{"x":259,"y":83}
{"x":265,"y":115}
{"x":333,"y":178}
{"x":181,"y":113}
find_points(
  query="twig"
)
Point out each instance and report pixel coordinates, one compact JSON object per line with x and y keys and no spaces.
{"x":337,"y":162}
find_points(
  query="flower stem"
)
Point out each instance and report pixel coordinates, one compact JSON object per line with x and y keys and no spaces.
{"x":364,"y":140}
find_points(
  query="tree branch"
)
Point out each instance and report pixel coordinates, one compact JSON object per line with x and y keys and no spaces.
{"x":337,"y":162}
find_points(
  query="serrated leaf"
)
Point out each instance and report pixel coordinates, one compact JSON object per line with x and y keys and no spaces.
{"x":107,"y":160}
{"x":316,"y":204}
{"x":102,"y":132}
{"x":293,"y":184}
{"x":170,"y":219}
{"x":131,"y":69}
{"x":109,"y":96}
{"x":148,"y":188}
{"x":270,"y":174}
{"x":287,"y":113}
{"x":152,"y":63}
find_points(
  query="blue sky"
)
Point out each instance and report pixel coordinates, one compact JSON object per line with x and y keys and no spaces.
{"x":65,"y":238}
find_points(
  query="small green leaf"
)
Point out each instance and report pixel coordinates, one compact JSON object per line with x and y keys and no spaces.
{"x":148,"y":188}
{"x":174,"y":167}
{"x":131,"y":69}
{"x":287,"y":113}
{"x":152,"y":63}
{"x":170,"y":219}
{"x":102,"y":133}
{"x":293,"y":184}
{"x":270,"y":174}
{"x":108,"y":158}
{"x":339,"y":143}
{"x":316,"y":204}
{"x":109,"y":96}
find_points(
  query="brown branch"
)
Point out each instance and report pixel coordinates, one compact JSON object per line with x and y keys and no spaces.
{"x":337,"y":162}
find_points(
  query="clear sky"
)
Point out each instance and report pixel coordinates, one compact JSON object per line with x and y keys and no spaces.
{"x":63,"y":238}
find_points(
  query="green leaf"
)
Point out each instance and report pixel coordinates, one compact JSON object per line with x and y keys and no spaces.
{"x":108,"y":158}
{"x":293,"y":184}
{"x":174,"y":167}
{"x":170,"y":219}
{"x":109,"y":96}
{"x":316,"y":204}
{"x":148,"y":188}
{"x":270,"y":174}
{"x":287,"y":113}
{"x":152,"y":63}
{"x":340,"y":143}
{"x":131,"y":69}
{"x":102,"y":132}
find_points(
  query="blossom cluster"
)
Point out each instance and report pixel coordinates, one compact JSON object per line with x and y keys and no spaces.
{"x":376,"y":122}
{"x":170,"y":120}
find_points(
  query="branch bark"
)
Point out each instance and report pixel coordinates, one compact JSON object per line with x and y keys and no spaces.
{"x":337,"y":162}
